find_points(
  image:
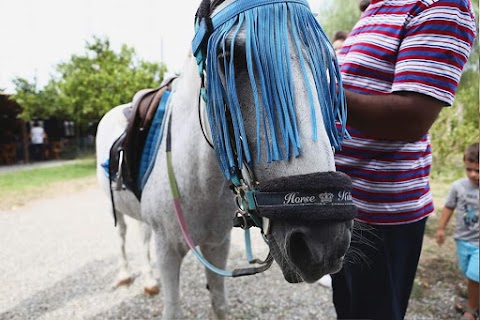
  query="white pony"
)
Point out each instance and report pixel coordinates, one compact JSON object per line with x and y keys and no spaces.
{"x":269,"y":79}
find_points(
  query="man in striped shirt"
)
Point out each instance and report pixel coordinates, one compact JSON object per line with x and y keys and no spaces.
{"x":401,"y":64}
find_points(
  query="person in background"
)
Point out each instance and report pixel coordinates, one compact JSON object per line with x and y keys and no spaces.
{"x":463,"y":199}
{"x":38,"y":139}
{"x":338,"y":39}
{"x":400,"y":66}
{"x":363,"y":5}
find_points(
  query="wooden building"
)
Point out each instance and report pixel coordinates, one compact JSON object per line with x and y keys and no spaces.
{"x":14,"y":137}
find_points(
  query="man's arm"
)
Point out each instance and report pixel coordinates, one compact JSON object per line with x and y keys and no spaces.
{"x":400,"y":116}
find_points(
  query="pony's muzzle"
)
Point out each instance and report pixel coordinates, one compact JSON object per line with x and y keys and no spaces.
{"x":300,"y":253}
{"x":316,"y":255}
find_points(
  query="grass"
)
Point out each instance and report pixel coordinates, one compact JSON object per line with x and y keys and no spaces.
{"x":32,"y":178}
{"x":19,"y":187}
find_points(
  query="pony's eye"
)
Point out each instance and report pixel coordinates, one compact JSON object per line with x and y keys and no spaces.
{"x":239,"y":57}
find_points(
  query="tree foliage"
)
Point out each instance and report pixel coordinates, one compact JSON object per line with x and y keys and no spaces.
{"x":84,"y":88}
{"x":338,"y":15}
{"x":458,"y":125}
{"x":456,"y":128}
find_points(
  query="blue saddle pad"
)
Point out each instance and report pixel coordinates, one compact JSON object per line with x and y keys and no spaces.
{"x":152,"y":144}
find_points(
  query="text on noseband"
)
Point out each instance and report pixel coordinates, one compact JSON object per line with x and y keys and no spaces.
{"x":327,"y":198}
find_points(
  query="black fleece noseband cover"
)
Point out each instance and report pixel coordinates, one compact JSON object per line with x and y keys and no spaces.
{"x":311,"y":197}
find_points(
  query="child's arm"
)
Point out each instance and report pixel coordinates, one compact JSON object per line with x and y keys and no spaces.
{"x":445,"y":217}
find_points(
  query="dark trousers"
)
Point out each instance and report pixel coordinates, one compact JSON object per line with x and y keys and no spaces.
{"x":36,"y":150}
{"x":377,"y":282}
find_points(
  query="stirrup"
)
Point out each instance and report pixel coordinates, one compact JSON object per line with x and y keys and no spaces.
{"x":118,"y":177}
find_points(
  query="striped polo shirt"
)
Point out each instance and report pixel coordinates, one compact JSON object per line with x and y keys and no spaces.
{"x":401,"y":45}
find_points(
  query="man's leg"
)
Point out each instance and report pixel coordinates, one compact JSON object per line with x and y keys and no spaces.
{"x":361,"y":290}
{"x":35,"y":152}
{"x":377,"y":283}
{"x":405,"y":245}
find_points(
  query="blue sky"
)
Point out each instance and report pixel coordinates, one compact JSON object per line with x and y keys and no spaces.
{"x":37,"y":35}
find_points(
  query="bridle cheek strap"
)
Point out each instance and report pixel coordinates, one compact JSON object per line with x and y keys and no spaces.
{"x":310,"y":197}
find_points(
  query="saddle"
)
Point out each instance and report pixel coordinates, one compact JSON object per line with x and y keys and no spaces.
{"x":126,"y":152}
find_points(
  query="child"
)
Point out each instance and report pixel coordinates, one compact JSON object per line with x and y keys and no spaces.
{"x":463,"y":198}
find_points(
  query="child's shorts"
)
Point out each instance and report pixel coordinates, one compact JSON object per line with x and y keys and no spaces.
{"x":467,"y":254}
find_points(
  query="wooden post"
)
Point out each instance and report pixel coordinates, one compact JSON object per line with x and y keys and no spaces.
{"x":25,"y":142}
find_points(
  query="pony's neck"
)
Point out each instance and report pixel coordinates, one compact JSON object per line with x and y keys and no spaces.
{"x":189,"y":81}
{"x":186,"y":130}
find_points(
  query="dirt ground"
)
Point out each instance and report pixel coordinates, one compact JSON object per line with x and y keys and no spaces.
{"x":438,"y":284}
{"x":60,"y":255}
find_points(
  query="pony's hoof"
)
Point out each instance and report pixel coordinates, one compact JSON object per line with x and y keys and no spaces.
{"x":152,"y":291}
{"x":124,"y":282}
{"x":219,"y":315}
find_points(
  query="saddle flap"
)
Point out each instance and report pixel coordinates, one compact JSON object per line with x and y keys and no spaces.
{"x":144,"y":106}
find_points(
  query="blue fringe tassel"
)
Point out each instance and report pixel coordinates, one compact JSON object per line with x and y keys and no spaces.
{"x":268,"y":57}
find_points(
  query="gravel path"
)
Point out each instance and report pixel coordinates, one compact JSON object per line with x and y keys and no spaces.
{"x":58,"y":260}
{"x":59,"y":257}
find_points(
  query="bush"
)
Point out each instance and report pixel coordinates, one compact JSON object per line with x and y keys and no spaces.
{"x":455,"y":129}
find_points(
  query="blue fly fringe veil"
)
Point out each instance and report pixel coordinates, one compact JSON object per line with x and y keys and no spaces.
{"x":267,"y":56}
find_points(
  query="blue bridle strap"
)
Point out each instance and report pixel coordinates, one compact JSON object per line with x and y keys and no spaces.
{"x":228,"y":13}
{"x":267,"y":26}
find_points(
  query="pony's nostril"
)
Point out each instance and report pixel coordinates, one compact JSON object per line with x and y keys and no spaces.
{"x":298,"y":249}
{"x":343,"y":243}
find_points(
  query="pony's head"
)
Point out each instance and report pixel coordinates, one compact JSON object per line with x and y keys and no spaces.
{"x":273,"y":95}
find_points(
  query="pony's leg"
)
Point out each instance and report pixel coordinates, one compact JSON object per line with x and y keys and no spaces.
{"x":217,"y":255}
{"x":169,"y":262}
{"x":150,"y":283}
{"x":123,"y":278}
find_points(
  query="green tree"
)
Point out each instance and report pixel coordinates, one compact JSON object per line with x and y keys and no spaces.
{"x":84,"y":88}
{"x":338,"y":15}
{"x":456,"y":128}
{"x":28,"y":95}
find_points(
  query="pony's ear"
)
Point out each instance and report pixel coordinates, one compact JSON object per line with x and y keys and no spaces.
{"x":203,"y":10}
{"x":207,"y":7}
{"x":215,"y":4}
